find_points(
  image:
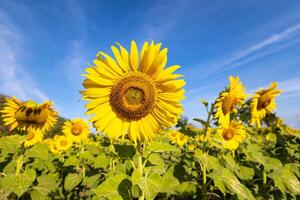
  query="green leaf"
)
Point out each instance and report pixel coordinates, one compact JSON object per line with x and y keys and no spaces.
{"x":285,"y":180}
{"x":72,"y":161}
{"x":159,"y":147}
{"x":210,"y":162}
{"x":18,"y":183}
{"x":155,"y":163}
{"x":72,"y":180}
{"x":225,"y":180}
{"x":245,"y":173}
{"x":46,"y":184}
{"x":115,"y":187}
{"x":204,"y":102}
{"x":169,"y":183}
{"x":38,"y":151}
{"x":101,"y":161}
{"x":186,"y":189}
{"x":91,"y":181}
{"x":125,"y":151}
{"x":10,"y":144}
{"x":201,"y":121}
{"x":149,"y":185}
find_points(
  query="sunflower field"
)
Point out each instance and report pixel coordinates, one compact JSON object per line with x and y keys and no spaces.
{"x":144,"y":148}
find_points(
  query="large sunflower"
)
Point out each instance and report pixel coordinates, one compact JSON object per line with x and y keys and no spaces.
{"x":77,"y":130}
{"x":233,"y":96}
{"x":32,"y":137}
{"x":263,"y":102}
{"x":133,"y":94}
{"x":28,"y":115}
{"x":231,"y":134}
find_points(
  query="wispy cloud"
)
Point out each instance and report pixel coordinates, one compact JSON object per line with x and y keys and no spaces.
{"x":291,"y":87}
{"x":272,"y":44}
{"x":75,"y":62}
{"x":15,"y":80}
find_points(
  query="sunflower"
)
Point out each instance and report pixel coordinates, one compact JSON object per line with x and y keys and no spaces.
{"x":191,"y":147}
{"x":32,"y":137}
{"x":173,"y":135}
{"x":182,"y":140}
{"x":231,"y":134}
{"x":51,"y":145}
{"x":28,"y":115}
{"x":233,"y":96}
{"x":263,"y":102}
{"x":77,"y":130}
{"x":62,"y":143}
{"x":133,"y":94}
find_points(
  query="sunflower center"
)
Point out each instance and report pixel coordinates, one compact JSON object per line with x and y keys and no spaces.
{"x":63,"y":142}
{"x":263,"y":101}
{"x":229,"y":104}
{"x":228,"y":134}
{"x":76,"y":130}
{"x":30,"y":136}
{"x":134,"y":96}
{"x":32,"y":115}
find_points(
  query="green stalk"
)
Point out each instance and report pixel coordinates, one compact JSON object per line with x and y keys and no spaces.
{"x":140,"y":166}
{"x":264,"y":177}
{"x":204,"y":178}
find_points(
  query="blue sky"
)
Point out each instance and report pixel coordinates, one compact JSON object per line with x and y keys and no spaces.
{"x":46,"y":45}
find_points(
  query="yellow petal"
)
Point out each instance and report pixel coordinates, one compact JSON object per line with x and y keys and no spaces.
{"x":134,"y":56}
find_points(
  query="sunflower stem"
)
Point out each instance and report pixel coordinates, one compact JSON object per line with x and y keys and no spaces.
{"x":204,"y":178}
{"x":140,"y":166}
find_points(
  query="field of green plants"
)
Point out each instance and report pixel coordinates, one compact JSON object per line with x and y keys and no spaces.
{"x":144,"y":148}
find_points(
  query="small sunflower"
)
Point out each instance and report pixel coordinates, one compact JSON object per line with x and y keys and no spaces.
{"x":173,"y":135}
{"x":263,"y":102}
{"x":28,"y":115}
{"x":52,"y":146}
{"x":182,"y":140}
{"x":233,"y":96}
{"x":77,"y":130}
{"x":62,"y":143}
{"x":231,"y":134}
{"x":134,"y":93}
{"x":191,"y":147}
{"x":32,"y":137}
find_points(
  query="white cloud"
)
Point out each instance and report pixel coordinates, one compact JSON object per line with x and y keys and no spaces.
{"x":274,"y":43}
{"x":15,"y":80}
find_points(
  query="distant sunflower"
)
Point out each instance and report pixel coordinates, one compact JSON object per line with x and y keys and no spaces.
{"x":51,"y":145}
{"x":133,"y":94}
{"x":32,"y":137}
{"x":77,"y":130}
{"x":263,"y":102}
{"x":28,"y":115}
{"x":62,"y":143}
{"x":182,"y":140}
{"x":233,"y":96}
{"x":231,"y":134}
{"x":173,"y":135}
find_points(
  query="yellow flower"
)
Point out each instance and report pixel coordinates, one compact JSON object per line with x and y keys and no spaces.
{"x":233,"y":96}
{"x":32,"y":137}
{"x":77,"y":130}
{"x":191,"y":147}
{"x":133,"y":94}
{"x":202,"y":137}
{"x":231,"y":134}
{"x":28,"y":115}
{"x":263,"y":102}
{"x":173,"y":135}
{"x":182,"y":140}
{"x":52,"y":146}
{"x":62,"y":143}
